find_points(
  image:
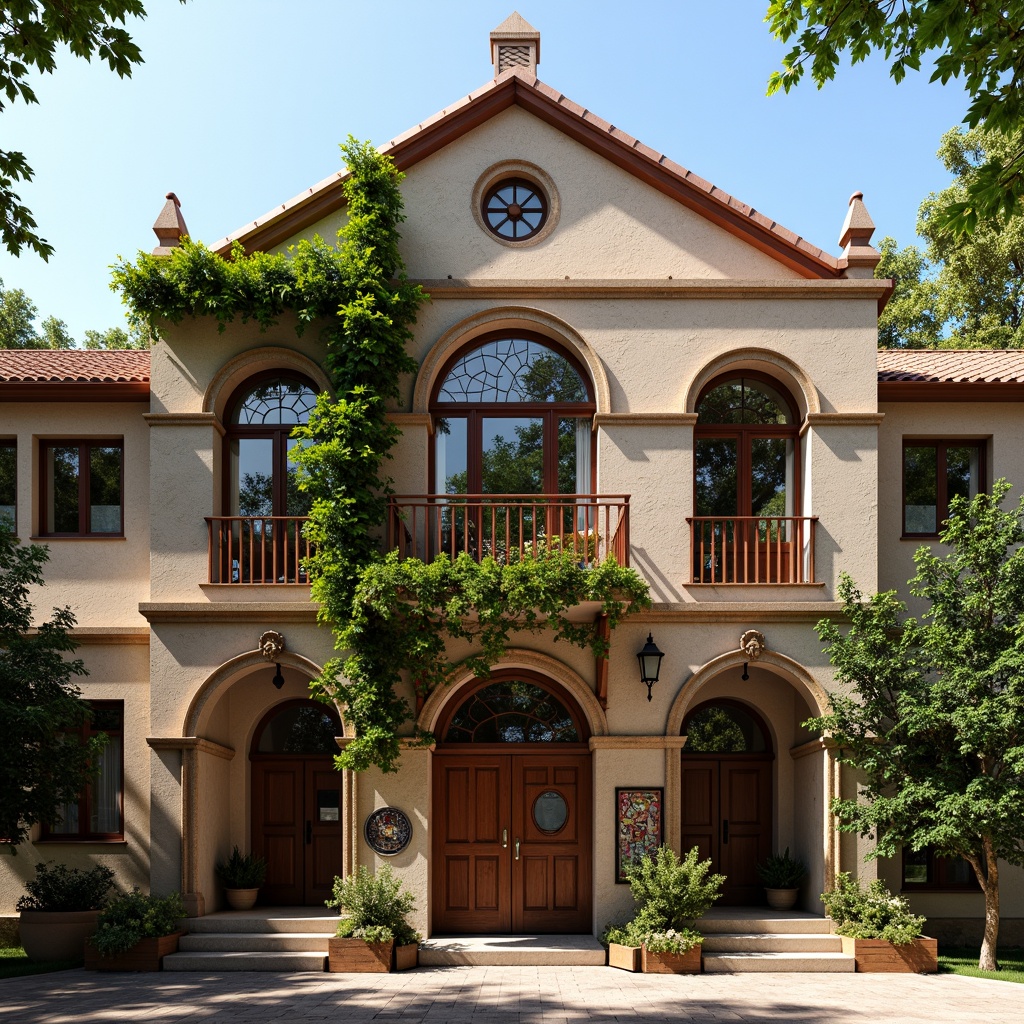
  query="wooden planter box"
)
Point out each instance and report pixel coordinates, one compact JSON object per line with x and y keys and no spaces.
{"x":145,"y":955}
{"x":357,"y":956}
{"x":876,"y":956}
{"x":672,"y":963}
{"x":407,"y":957}
{"x":626,"y":958}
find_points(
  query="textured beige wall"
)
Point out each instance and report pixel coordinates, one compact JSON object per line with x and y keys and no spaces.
{"x":102,"y":580}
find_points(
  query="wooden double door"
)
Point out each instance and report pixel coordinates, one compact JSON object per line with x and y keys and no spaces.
{"x":727,"y":815}
{"x":296,"y":827}
{"x":512,"y":842}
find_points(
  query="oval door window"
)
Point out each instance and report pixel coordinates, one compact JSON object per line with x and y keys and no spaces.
{"x":550,"y":812}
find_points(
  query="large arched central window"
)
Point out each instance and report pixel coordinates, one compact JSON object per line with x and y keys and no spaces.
{"x":746,"y":473}
{"x":513,"y":416}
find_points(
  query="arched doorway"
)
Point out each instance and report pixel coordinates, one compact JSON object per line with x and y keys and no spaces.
{"x":726,"y":789}
{"x":296,"y":802}
{"x":511,"y":811}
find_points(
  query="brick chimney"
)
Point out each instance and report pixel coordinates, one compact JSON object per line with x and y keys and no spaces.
{"x":515,"y":43}
{"x":861,"y":256}
{"x":169,"y":227}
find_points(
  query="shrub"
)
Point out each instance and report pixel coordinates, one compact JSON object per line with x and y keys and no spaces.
{"x":242,"y":871}
{"x":66,"y":889}
{"x":374,"y":901}
{"x":873,"y":913}
{"x":781,"y":872}
{"x":671,"y":941}
{"x":672,"y":893}
{"x":133,"y":916}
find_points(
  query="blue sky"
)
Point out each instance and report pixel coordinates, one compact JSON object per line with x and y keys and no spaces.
{"x":241,"y":103}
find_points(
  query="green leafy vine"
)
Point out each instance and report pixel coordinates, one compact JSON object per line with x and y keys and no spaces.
{"x":392,"y":618}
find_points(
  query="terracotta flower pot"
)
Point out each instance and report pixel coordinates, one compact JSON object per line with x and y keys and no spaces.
{"x":876,"y":956}
{"x":782,"y":899}
{"x":241,"y":899}
{"x":672,"y":963}
{"x":358,"y":956}
{"x":56,"y":934}
{"x":145,"y":955}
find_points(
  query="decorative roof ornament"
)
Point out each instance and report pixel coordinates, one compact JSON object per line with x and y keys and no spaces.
{"x":515,"y":43}
{"x":860,"y":255}
{"x":169,"y":227}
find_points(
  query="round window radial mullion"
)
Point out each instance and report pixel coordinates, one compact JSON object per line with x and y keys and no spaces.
{"x":515,"y":209}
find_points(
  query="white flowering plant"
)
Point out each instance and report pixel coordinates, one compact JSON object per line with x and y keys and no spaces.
{"x":872,"y":913}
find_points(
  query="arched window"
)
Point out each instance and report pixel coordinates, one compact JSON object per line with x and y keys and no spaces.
{"x":298,"y":728}
{"x":725,"y":727}
{"x":261,"y":477}
{"x":746,"y":481}
{"x":513,"y":416}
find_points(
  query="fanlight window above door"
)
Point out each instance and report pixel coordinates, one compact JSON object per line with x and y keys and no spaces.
{"x":275,"y":402}
{"x":724,"y":729}
{"x":299,"y":729}
{"x":512,"y":711}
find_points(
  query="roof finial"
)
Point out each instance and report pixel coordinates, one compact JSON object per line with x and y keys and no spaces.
{"x":515,"y":45}
{"x":860,"y":255}
{"x":169,"y":227}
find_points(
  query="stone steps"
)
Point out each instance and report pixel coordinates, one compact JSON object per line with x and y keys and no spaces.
{"x":512,"y":950}
{"x":772,"y":942}
{"x":776,"y":963}
{"x":216,"y":962}
{"x":254,"y":942}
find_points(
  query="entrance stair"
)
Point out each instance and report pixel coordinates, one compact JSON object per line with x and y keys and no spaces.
{"x":512,"y":950}
{"x":747,"y":939}
{"x":262,"y":939}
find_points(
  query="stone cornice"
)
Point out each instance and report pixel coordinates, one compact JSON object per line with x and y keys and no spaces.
{"x":197,"y":743}
{"x":637,"y":742}
{"x":224,"y":611}
{"x":645,"y":419}
{"x":841,"y":419}
{"x":184,"y":419}
{"x":741,"y":611}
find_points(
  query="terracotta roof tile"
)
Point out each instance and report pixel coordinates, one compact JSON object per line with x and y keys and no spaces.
{"x":952,"y":366}
{"x":73,"y":366}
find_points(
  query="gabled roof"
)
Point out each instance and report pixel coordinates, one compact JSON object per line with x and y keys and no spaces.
{"x":74,"y":374}
{"x":950,"y":374}
{"x":521,"y":88}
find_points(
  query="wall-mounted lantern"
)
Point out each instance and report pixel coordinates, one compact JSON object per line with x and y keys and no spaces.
{"x":650,"y":663}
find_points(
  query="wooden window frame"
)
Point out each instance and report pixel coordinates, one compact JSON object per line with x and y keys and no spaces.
{"x":84,"y":471}
{"x":937,"y":880}
{"x":941,"y":489}
{"x":84,"y":835}
{"x":12,"y":444}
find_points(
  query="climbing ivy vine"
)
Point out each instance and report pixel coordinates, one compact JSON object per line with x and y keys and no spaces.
{"x":392,"y":619}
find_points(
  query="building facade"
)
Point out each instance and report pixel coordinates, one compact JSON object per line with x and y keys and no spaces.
{"x":614,"y":351}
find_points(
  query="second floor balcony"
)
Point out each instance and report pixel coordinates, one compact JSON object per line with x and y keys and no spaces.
{"x":752,"y":549}
{"x":509,"y":525}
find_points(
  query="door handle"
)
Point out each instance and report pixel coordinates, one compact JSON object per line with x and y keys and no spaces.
{"x":309,"y":832}
{"x":725,"y":830}
{"x":517,"y":849}
{"x":504,"y":838}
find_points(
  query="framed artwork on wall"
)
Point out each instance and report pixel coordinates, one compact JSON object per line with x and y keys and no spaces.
{"x":637,"y":826}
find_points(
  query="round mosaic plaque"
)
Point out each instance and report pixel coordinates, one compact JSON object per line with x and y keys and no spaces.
{"x":388,"y":831}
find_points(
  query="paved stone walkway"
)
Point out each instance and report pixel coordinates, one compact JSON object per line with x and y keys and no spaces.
{"x":507,"y":995}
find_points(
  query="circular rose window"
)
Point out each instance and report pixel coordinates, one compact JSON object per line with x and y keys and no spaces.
{"x":515,"y":209}
{"x":550,"y":812}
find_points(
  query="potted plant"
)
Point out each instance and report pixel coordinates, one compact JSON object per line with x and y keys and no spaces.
{"x":135,"y":932}
{"x":878,"y":929}
{"x":374,"y":933}
{"x":242,"y":875}
{"x":61,"y":909}
{"x":782,"y":876}
{"x":670,"y":895}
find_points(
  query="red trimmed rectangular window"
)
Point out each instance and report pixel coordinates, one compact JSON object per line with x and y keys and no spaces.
{"x":935,"y":472}
{"x":82,"y":488}
{"x":923,"y":869}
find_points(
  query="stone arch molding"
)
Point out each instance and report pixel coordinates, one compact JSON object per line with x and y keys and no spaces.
{"x":254,"y":361}
{"x":796,"y":379}
{"x":542,"y":664}
{"x":793,"y":672}
{"x":234,"y":669}
{"x":511,"y":318}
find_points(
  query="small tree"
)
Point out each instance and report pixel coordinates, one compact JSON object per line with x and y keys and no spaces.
{"x":932,"y":712}
{"x":39,"y":769}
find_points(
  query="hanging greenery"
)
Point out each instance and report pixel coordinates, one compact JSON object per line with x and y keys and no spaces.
{"x":393,"y":618}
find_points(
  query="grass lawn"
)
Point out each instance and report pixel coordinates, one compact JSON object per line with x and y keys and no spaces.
{"x":14,"y":964}
{"x":964,"y":960}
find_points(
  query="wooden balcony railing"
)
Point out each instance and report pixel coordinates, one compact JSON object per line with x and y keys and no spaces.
{"x":257,"y":549}
{"x":592,"y":526}
{"x":752,"y":549}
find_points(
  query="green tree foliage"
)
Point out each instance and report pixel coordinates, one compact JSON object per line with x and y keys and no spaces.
{"x":39,"y":702}
{"x":932,"y":711}
{"x":30,"y":32}
{"x":962,"y":292}
{"x":979,"y":44}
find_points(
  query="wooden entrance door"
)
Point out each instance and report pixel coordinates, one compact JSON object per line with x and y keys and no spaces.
{"x":296,"y":827}
{"x":512,"y":842}
{"x":727,"y":815}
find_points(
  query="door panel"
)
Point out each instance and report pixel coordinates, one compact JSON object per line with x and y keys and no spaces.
{"x":727,"y":814}
{"x":496,"y":867}
{"x":296,"y":826}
